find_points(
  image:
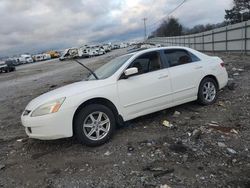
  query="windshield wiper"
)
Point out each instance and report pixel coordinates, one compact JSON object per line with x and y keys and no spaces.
{"x":92,"y":72}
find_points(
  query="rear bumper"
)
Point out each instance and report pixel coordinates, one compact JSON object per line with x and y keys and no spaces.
{"x":222,"y":79}
{"x":51,"y":126}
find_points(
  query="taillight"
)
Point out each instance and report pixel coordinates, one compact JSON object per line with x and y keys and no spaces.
{"x":222,"y":64}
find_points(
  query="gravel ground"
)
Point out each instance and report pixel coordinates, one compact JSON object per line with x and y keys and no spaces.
{"x":207,"y":146}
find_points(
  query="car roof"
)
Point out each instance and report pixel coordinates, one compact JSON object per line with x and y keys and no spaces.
{"x":160,"y":48}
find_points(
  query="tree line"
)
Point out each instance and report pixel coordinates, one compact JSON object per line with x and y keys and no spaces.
{"x":171,"y":27}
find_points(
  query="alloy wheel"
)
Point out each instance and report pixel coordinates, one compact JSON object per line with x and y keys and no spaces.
{"x":96,"y":125}
{"x":209,"y":91}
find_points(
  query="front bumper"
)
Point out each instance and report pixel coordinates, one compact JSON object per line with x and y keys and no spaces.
{"x":50,"y":126}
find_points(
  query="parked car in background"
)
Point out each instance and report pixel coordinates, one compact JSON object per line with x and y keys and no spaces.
{"x":71,"y":53}
{"x":53,"y":54}
{"x":123,"y":45}
{"x":46,"y":56}
{"x":3,"y":66}
{"x":25,"y":58}
{"x":41,"y":57}
{"x":115,"y":46}
{"x":125,"y":88}
{"x":7,"y":66}
{"x":89,"y":51}
{"x":13,"y":61}
{"x":106,"y":47}
{"x":38,"y":57}
{"x":101,"y":51}
{"x":85,"y":51}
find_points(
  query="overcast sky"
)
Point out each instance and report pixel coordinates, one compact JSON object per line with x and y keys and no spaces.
{"x":32,"y":26}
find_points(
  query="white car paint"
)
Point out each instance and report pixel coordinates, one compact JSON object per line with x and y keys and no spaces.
{"x":132,"y":97}
{"x":148,"y":93}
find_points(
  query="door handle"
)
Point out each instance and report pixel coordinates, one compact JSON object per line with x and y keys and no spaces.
{"x":163,"y":76}
{"x":198,"y":67}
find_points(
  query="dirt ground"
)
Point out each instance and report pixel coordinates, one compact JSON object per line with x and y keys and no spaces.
{"x":207,"y":146}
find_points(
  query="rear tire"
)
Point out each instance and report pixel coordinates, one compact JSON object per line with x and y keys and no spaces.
{"x":94,"y":125}
{"x":208,"y":91}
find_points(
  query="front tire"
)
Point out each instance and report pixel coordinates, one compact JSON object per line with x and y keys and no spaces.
{"x":94,"y":125}
{"x":208,"y":91}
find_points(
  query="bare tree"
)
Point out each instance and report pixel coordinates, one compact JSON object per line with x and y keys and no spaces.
{"x":168,"y":28}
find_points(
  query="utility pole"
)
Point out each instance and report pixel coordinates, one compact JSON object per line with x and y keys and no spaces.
{"x":243,"y":37}
{"x":145,"y":28}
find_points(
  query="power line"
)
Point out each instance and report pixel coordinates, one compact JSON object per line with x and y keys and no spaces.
{"x":177,"y":7}
{"x":171,"y":12}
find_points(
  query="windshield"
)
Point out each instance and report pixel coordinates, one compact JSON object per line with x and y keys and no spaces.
{"x":110,"y":68}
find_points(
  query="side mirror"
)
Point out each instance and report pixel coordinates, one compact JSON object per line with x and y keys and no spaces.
{"x":131,"y":71}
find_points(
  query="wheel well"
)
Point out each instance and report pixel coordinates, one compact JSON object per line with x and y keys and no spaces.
{"x":102,"y":101}
{"x":214,"y":78}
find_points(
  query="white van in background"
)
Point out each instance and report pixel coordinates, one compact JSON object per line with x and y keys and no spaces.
{"x":25,"y":58}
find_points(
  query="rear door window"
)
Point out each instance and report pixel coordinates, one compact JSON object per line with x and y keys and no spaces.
{"x":178,"y":57}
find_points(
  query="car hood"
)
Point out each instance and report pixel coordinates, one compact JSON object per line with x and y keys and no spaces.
{"x":65,"y":91}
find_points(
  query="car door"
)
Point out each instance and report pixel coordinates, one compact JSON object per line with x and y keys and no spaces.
{"x":147,"y":91}
{"x":185,"y":72}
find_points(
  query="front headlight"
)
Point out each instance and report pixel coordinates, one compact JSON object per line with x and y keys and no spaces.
{"x":48,"y":108}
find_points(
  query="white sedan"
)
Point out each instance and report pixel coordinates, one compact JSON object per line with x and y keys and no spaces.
{"x":127,"y":87}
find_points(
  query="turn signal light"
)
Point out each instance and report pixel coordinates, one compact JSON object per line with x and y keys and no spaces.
{"x":55,"y":108}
